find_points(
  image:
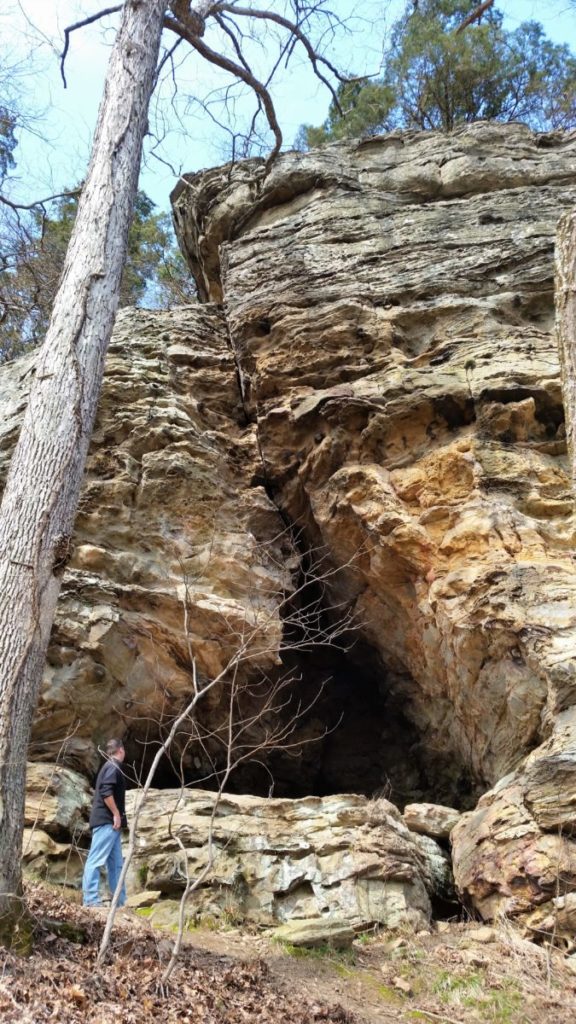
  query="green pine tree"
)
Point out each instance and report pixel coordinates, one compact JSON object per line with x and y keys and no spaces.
{"x":155,"y":273}
{"x":437,"y":77}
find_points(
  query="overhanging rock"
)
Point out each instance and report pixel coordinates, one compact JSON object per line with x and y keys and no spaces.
{"x":391,"y":307}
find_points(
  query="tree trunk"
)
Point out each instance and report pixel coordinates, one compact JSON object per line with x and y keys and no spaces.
{"x":565,"y":293}
{"x":41,"y":495}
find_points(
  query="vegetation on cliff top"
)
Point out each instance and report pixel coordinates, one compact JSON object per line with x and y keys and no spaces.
{"x":437,"y":76}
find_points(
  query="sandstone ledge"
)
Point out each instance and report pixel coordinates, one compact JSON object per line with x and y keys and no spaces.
{"x":341,"y":858}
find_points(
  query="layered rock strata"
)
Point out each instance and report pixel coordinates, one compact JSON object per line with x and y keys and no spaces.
{"x":383,"y":377}
{"x":341,"y":861}
{"x":391,"y":307}
{"x":180,"y":559}
{"x":340,"y":858}
{"x":58,"y":803}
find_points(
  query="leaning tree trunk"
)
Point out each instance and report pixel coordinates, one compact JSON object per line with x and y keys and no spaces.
{"x":41,"y":495}
{"x":566,"y":326}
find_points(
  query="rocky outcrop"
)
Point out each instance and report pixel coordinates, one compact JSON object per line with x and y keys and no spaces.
{"x":391,"y":307}
{"x":56,"y":815}
{"x":336,"y":859}
{"x":516,"y":850}
{"x":341,"y":862}
{"x":380,"y":376}
{"x":57,"y":799}
{"x":431,"y":819}
{"x":178,"y":551}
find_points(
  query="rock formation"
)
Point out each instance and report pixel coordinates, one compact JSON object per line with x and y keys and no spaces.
{"x":176,"y":541}
{"x":391,"y":308}
{"x":58,"y":803}
{"x":340,"y":858}
{"x":373,"y":366}
{"x":343,"y":859}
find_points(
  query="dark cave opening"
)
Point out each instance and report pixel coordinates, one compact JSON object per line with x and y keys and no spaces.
{"x":370,"y":747}
{"x":357,"y":737}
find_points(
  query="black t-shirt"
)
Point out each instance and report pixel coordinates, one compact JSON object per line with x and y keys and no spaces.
{"x":110,"y":782}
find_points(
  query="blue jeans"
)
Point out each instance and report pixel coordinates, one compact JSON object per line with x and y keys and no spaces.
{"x":105,"y":851}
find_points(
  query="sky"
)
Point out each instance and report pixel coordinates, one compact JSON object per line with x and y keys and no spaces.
{"x":54,"y":152}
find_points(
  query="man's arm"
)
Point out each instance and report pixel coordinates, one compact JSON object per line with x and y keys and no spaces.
{"x":111,"y":805}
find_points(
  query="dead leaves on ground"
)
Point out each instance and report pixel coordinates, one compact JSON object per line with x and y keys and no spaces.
{"x":60,"y":982}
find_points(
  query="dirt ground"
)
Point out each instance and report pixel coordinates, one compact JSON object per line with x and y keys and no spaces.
{"x":461,"y":972}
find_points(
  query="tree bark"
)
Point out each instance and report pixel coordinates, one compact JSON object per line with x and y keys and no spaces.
{"x":565,"y":295}
{"x":41,"y":494}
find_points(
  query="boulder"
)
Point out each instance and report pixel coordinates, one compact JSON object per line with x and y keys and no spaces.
{"x":43,"y":858}
{"x":58,"y":801}
{"x":515,"y":852}
{"x":339,"y":858}
{"x":430,"y":819}
{"x":314,"y":933}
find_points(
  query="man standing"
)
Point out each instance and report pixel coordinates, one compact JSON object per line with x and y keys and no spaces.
{"x":107,"y":818}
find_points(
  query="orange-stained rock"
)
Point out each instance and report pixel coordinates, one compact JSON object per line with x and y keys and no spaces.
{"x":178,"y":551}
{"x":383,"y":376}
{"x":391,"y":307}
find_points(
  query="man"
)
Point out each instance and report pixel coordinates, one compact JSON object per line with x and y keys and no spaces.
{"x":107,"y":818}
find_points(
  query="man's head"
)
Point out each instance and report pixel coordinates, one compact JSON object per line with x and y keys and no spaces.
{"x":115,"y":749}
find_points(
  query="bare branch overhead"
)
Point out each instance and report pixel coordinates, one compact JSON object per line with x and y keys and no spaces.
{"x":235,"y":69}
{"x":190,"y":24}
{"x":82,"y":24}
{"x":38,"y":202}
{"x":188,"y":21}
{"x":314,"y":57}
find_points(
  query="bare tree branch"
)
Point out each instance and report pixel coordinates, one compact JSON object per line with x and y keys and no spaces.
{"x":82,"y":24}
{"x":38,"y":202}
{"x":167,"y":58}
{"x":225,"y":28}
{"x":314,"y":57}
{"x":234,"y":69}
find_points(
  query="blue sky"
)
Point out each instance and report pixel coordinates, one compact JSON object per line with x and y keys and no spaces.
{"x":66,"y":117}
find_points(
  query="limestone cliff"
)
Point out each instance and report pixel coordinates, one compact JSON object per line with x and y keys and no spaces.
{"x":373,"y":366}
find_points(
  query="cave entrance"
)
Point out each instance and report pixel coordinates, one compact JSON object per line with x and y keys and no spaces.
{"x":357,"y":737}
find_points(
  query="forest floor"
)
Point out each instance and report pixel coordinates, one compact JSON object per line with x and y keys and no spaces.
{"x":461,"y":972}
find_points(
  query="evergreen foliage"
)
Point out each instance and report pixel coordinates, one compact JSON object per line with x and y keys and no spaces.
{"x":33,"y":256}
{"x":437,"y":77}
{"x":7,"y":140}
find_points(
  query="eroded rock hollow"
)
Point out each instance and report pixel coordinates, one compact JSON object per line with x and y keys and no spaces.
{"x":371,"y":375}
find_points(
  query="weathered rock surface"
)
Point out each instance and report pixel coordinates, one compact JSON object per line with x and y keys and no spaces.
{"x":45,"y":858}
{"x":57,"y":800}
{"x":312,"y":933}
{"x":393,"y":389}
{"x":516,"y":850}
{"x":431,"y":819}
{"x":339,"y":858}
{"x":57,"y":809}
{"x":391,"y":306}
{"x":178,"y":551}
